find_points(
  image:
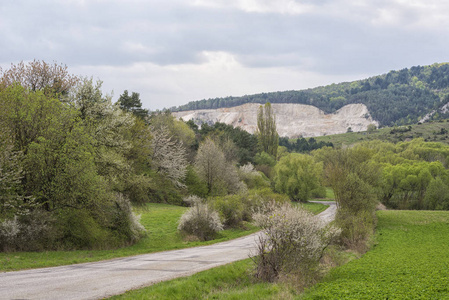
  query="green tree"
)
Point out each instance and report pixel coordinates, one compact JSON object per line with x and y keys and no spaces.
{"x":132,"y":104}
{"x":371,"y":128}
{"x":220,"y":176}
{"x":266,"y":130}
{"x":297,"y":175}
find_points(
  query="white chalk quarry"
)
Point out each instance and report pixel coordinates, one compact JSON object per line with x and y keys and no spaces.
{"x":292,"y":120}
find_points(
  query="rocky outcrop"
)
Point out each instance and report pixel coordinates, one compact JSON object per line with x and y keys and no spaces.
{"x":292,"y":120}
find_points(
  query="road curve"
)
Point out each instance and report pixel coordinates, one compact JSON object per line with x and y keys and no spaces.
{"x":106,"y":278}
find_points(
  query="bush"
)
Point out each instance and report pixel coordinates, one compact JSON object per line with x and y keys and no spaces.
{"x":33,"y":231}
{"x":200,"y":221}
{"x":230,"y":208}
{"x":253,"y":178}
{"x":191,"y":200}
{"x":81,"y":231}
{"x":319,"y":192}
{"x":356,"y":229}
{"x":126,"y":224}
{"x":195,"y":185}
{"x":293,"y":244}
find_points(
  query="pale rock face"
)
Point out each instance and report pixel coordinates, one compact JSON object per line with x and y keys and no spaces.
{"x":292,"y":120}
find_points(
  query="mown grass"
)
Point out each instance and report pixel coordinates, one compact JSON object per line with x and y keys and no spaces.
{"x":409,"y":261}
{"x":159,"y":219}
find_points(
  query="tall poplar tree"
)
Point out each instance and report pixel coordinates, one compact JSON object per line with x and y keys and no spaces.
{"x":266,"y":130}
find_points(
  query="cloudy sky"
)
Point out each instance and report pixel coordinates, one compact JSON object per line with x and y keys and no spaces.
{"x":176,"y":51}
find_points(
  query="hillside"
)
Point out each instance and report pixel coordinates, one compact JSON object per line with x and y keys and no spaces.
{"x":395,"y":98}
{"x":292,"y":120}
{"x":434,"y":131}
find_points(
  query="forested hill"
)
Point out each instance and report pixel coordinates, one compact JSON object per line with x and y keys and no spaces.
{"x":396,"y":98}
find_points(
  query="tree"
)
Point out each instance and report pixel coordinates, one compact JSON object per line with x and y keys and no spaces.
{"x":169,"y":156}
{"x":266,"y":130}
{"x":340,"y":163}
{"x":210,"y":163}
{"x":132,"y":104}
{"x":11,"y":200}
{"x":371,"y":128}
{"x":297,"y":175}
{"x":56,"y":169}
{"x":41,"y":76}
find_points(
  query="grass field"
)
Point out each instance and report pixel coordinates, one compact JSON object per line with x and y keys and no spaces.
{"x":409,"y":261}
{"x":159,"y":219}
{"x":429,"y":131}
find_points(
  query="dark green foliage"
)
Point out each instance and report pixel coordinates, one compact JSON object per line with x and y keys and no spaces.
{"x":245,"y":142}
{"x":195,"y":186}
{"x":132,"y":104}
{"x":303,"y":145}
{"x":396,"y":98}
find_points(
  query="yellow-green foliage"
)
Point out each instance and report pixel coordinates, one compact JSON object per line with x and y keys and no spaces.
{"x":297,"y":175}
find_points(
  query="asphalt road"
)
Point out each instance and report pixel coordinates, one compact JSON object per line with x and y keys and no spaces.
{"x":106,"y":278}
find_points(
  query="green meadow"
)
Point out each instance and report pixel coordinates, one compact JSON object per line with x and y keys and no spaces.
{"x":407,"y":261}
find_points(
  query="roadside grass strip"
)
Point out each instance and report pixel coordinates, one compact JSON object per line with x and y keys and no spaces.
{"x":160,"y":220}
{"x":314,"y":208}
{"x":232,"y":281}
{"x":410,"y":260}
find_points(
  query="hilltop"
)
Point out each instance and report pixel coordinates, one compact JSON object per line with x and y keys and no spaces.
{"x":396,"y":98}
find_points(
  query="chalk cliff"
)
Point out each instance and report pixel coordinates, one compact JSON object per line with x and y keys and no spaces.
{"x":292,"y":120}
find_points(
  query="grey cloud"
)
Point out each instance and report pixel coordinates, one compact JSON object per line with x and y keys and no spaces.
{"x":336,"y":38}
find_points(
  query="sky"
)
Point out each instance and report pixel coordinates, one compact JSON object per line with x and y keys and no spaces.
{"x":176,"y":51}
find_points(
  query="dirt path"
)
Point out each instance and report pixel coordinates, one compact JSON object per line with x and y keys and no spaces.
{"x":105,"y":278}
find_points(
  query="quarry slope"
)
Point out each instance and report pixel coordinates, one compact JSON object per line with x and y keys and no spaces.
{"x":292,"y":120}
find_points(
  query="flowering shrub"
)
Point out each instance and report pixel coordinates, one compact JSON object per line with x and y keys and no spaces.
{"x":294,"y":241}
{"x":200,"y":220}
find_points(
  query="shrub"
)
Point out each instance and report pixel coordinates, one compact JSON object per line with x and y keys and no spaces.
{"x":195,"y":185}
{"x":253,"y":178}
{"x":201,"y":221}
{"x":319,"y":192}
{"x":125,"y":223}
{"x":33,"y":231}
{"x":81,"y":231}
{"x":293,"y":243}
{"x":230,"y":208}
{"x":356,"y":229}
{"x":191,"y":200}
